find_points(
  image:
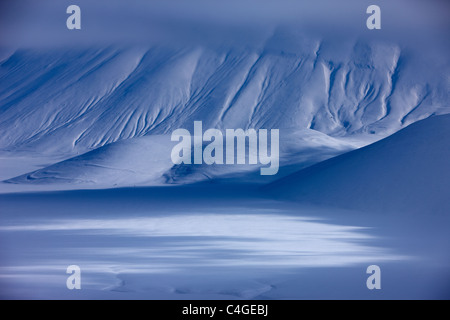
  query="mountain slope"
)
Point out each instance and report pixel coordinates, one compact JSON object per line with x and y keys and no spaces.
{"x":404,"y":173}
{"x":130,"y":162}
{"x":75,"y":101}
{"x":146,"y":161}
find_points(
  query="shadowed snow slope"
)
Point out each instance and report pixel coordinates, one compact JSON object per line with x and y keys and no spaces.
{"x":406,"y":173}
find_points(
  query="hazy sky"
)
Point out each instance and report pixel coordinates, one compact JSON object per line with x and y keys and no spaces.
{"x":43,"y":22}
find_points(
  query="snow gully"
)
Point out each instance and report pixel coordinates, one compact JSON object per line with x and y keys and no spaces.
{"x":235,"y":145}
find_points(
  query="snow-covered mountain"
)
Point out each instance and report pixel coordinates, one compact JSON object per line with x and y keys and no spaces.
{"x":327,"y":83}
{"x":80,"y":100}
{"x":363,"y":120}
{"x":70,"y":102}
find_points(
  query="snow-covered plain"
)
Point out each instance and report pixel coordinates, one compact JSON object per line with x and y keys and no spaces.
{"x":213,"y":241}
{"x":87,"y":179}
